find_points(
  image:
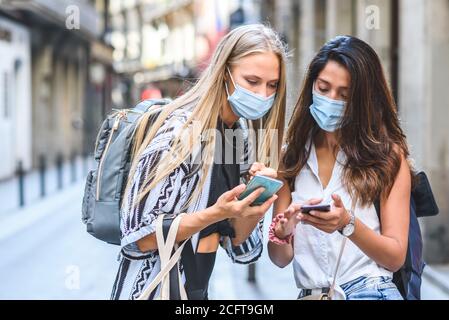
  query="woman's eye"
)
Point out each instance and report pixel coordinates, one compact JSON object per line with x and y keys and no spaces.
{"x":323,"y":90}
{"x":251,"y":81}
{"x":274,"y":85}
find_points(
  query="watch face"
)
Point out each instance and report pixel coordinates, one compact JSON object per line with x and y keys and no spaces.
{"x":348,"y":230}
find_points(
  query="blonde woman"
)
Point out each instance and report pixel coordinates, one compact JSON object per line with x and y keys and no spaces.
{"x":244,"y":83}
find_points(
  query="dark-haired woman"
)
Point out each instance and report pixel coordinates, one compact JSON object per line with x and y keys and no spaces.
{"x":344,"y":147}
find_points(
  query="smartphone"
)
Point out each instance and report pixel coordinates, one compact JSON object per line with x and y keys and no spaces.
{"x":319,"y":207}
{"x":271,"y":187}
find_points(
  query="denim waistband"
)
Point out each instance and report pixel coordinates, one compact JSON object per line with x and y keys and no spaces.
{"x":352,"y":285}
{"x":347,"y":287}
{"x":308,"y":292}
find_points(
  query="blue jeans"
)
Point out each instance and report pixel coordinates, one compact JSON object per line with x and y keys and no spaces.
{"x":373,"y":288}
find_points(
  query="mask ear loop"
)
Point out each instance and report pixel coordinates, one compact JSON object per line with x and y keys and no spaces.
{"x":226,"y":87}
{"x":230,"y":75}
{"x":226,"y":84}
{"x":227,"y":92}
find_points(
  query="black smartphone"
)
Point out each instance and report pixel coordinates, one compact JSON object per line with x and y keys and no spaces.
{"x":319,"y":207}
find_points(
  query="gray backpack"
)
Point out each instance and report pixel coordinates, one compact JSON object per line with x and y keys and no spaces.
{"x":105,"y":185}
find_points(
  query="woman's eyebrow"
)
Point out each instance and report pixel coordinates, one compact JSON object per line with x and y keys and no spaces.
{"x":325,"y":82}
{"x":329,"y":84}
{"x":259,"y":78}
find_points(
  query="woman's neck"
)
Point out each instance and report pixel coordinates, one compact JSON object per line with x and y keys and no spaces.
{"x":327,"y":140}
{"x":227,"y":115}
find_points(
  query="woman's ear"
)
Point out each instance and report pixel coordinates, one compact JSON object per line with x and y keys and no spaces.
{"x":227,"y":73}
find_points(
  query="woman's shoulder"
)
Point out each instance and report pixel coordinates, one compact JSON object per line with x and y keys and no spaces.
{"x":181,"y":114}
{"x":177,"y":118}
{"x":171,"y":127}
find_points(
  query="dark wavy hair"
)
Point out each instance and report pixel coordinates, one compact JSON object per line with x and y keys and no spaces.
{"x":370,"y":134}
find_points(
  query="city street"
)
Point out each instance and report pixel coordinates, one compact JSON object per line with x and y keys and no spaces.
{"x":47,"y":254}
{"x":336,"y":73}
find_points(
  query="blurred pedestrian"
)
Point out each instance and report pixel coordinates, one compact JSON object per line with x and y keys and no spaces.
{"x":244,"y":82}
{"x":344,"y":147}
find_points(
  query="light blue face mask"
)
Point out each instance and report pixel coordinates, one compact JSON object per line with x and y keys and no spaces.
{"x":327,"y":112}
{"x":247,"y":104}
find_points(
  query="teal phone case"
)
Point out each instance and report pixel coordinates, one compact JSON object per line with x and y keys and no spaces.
{"x":271,"y":187}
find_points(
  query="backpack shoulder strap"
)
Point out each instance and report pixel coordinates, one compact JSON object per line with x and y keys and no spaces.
{"x":377,"y":206}
{"x":144,"y":105}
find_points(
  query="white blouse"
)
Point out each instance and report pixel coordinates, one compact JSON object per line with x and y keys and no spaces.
{"x":316,"y":252}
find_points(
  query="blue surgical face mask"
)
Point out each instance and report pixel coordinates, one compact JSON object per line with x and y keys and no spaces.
{"x":247,"y":104}
{"x":327,"y":112}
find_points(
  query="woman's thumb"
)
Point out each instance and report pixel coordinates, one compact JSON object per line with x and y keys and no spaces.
{"x":237,"y":191}
{"x":337,"y":200}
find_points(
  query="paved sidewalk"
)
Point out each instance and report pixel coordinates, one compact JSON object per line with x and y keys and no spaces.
{"x":47,"y":253}
{"x":9,"y":189}
{"x":435,"y":282}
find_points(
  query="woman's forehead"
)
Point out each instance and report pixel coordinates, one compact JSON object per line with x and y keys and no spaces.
{"x":263,"y":65}
{"x":335,"y":74}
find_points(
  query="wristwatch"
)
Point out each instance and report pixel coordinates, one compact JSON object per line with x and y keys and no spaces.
{"x":348,"y":230}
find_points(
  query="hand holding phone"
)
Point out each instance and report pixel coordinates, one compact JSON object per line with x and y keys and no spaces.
{"x":318,"y":207}
{"x":270,"y":185}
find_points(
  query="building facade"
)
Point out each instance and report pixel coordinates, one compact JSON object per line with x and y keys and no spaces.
{"x":15,"y":96}
{"x":64,"y":79}
{"x":165,"y":44}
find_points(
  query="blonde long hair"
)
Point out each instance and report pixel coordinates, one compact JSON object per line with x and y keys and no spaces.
{"x":205,"y":100}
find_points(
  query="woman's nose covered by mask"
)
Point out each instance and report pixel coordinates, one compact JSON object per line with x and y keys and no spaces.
{"x":247,"y":104}
{"x":327,"y":112}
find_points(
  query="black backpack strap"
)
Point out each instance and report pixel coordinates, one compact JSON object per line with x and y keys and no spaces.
{"x":377,"y":206}
{"x":193,"y":285}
